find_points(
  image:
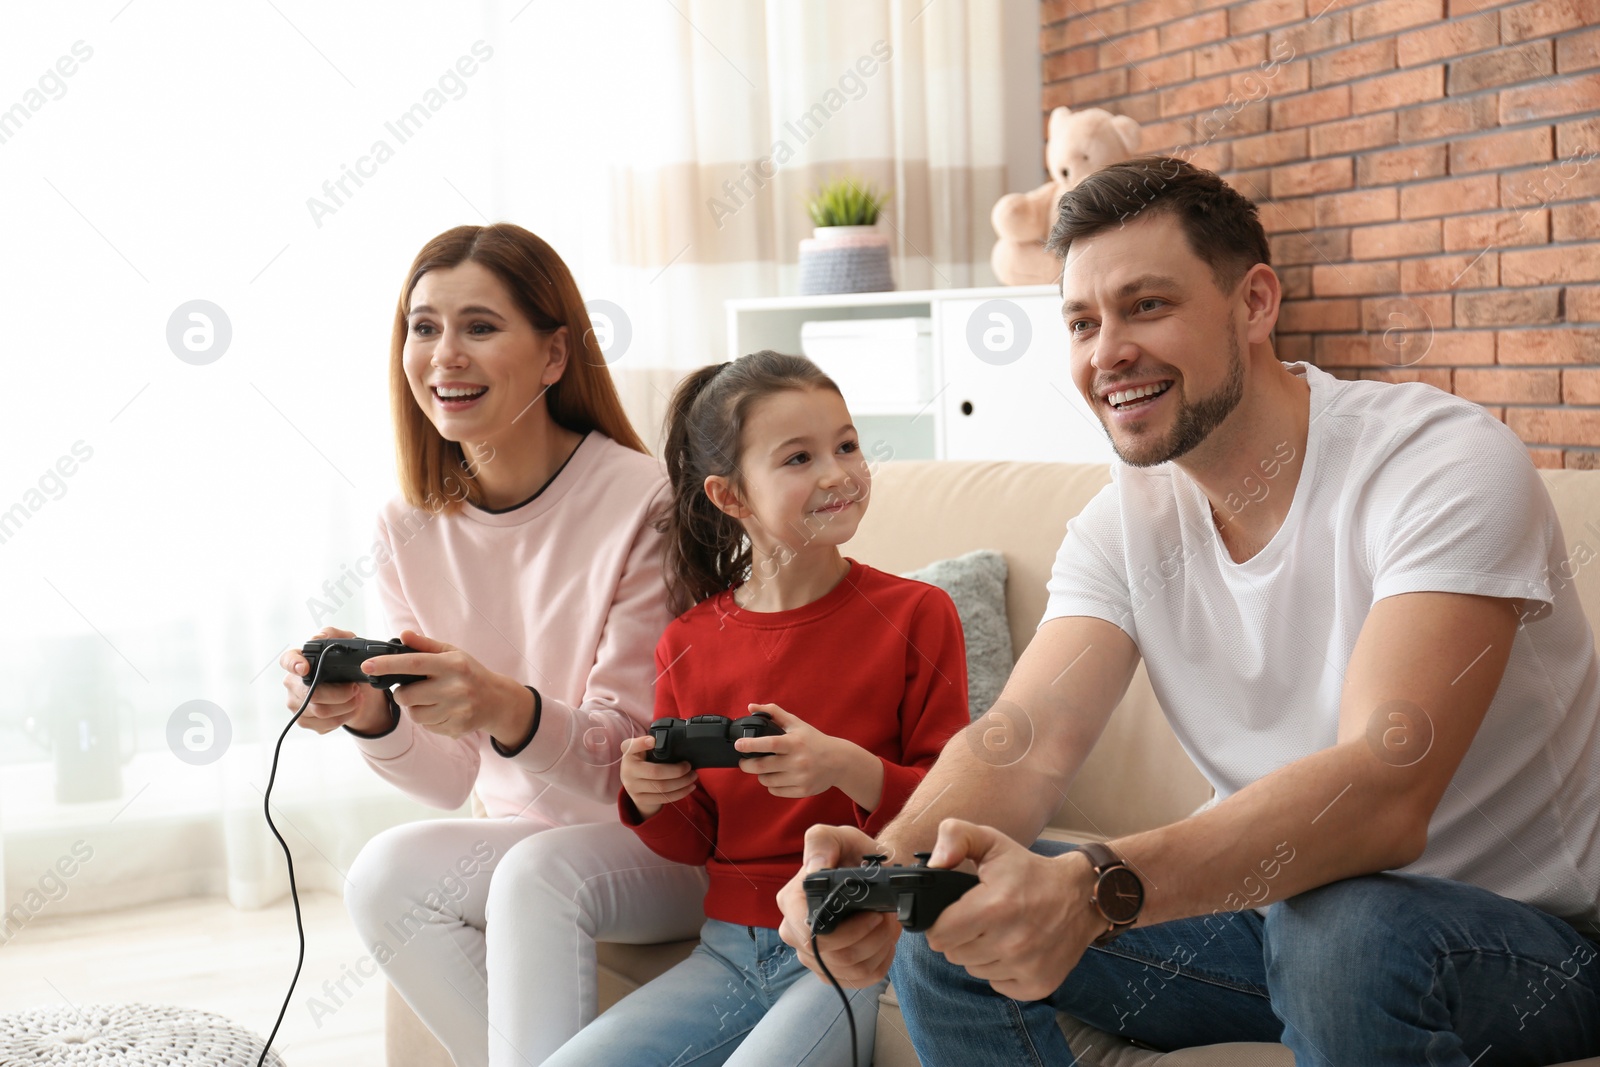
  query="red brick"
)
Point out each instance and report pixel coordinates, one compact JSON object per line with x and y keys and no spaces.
{"x":1397,"y":90}
{"x":1354,"y":208}
{"x":1316,"y":246}
{"x":1308,"y":109}
{"x":1269,"y":148}
{"x":1278,"y":216}
{"x":1215,"y":156}
{"x":1296,"y":282}
{"x":1463,"y":8}
{"x":1406,"y":313}
{"x":1578,"y":51}
{"x":1580,"y":138}
{"x":1570,"y":179}
{"x":1392,"y":15}
{"x":1254,"y":185}
{"x":1263,"y":15}
{"x":1155,"y":73}
{"x":1193,"y":31}
{"x":1575,"y":222}
{"x":1309,"y":38}
{"x":1498,"y":150}
{"x":1439,"y":274}
{"x":1572,"y":344}
{"x":1438,"y":377}
{"x":1514,"y":307}
{"x":1447,"y":118}
{"x":1496,"y":229}
{"x":1317,"y":176}
{"x":1062,"y":65}
{"x":1354,"y":279}
{"x":1556,"y":263}
{"x":1348,"y":135}
{"x":1151,"y":12}
{"x":1583,"y":303}
{"x":1401,"y":165}
{"x":1107,"y":85}
{"x":1399,"y":239}
{"x":1555,"y":426}
{"x":1385,"y":349}
{"x":1129,"y":49}
{"x":1356,"y":61}
{"x":1284,"y":79}
{"x":1581,"y":459}
{"x":1235,"y":53}
{"x":1542,"y":18}
{"x":1450,"y":197}
{"x":1318,"y":316}
{"x":1506,"y":386}
{"x":1231,"y":120}
{"x":1556,"y":97}
{"x":1158,"y":136}
{"x":1580,"y":387}
{"x":1196,"y":96}
{"x":1505,"y":66}
{"x":1545,"y":458}
{"x":1446,"y":41}
{"x":1458,"y":347}
{"x":1091,"y":29}
{"x":1144,"y":108}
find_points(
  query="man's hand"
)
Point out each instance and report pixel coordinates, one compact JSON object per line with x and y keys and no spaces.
{"x":1026,"y":923}
{"x":459,"y":694}
{"x":861,"y":948}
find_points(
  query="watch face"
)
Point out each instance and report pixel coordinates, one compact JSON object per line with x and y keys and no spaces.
{"x":1119,"y":895}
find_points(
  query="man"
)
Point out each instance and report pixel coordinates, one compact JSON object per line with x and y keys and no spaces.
{"x":1343,"y":595}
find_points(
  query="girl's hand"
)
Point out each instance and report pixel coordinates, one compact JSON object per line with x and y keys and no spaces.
{"x":360,"y":707}
{"x":459,"y":694}
{"x":805,"y":761}
{"x":652,"y":786}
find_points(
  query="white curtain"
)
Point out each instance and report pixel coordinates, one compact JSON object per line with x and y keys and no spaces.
{"x":168,"y":526}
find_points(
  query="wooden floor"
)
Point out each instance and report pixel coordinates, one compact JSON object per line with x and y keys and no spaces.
{"x":205,"y":954}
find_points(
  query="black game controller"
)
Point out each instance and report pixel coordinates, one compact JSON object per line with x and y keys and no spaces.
{"x":917,"y":895}
{"x":707,"y":740}
{"x":341,"y":659}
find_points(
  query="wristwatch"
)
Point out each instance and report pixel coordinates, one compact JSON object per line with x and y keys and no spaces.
{"x":1118,"y":894}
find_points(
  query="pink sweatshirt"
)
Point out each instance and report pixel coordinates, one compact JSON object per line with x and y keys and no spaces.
{"x":564,"y":593}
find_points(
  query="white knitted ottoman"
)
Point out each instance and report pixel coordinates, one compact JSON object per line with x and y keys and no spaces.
{"x":128,"y":1035}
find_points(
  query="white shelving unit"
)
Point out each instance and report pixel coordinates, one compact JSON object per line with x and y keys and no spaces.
{"x":1002,"y":386}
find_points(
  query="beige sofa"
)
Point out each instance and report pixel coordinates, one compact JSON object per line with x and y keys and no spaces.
{"x":1137,"y":777}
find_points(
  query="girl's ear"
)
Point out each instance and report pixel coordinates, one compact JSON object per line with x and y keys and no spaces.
{"x":557,"y":365}
{"x":722,"y":495}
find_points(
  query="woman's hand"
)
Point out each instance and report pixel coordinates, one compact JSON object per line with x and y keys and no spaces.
{"x":805,"y":761}
{"x":652,"y":786}
{"x":459,"y":694}
{"x":360,"y":707}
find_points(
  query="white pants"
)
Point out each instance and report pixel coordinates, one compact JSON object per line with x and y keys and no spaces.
{"x":487,"y":927}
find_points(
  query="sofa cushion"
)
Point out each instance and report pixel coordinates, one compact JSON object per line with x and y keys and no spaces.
{"x":977,"y":584}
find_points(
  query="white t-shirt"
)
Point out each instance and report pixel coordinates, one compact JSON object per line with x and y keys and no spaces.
{"x":1403,"y":489}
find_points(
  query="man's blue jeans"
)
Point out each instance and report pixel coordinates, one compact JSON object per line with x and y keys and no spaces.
{"x":1387,"y":969}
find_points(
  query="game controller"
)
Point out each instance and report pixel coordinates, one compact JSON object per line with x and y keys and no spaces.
{"x":341,"y":659}
{"x":707,"y":740}
{"x":917,"y":895}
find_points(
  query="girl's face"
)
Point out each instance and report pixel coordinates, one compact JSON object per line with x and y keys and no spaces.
{"x":474,"y":362}
{"x":805,"y":479}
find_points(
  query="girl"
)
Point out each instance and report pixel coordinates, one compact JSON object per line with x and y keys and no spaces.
{"x":864,"y":671}
{"x":524,"y":536}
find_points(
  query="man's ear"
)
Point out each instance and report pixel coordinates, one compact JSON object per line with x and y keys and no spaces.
{"x":559,"y":350}
{"x":722,"y":495}
{"x":1263,"y":294}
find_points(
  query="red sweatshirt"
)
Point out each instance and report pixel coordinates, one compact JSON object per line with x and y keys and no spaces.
{"x":879,"y":661}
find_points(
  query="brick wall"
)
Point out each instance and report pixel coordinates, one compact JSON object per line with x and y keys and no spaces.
{"x":1427,"y":170}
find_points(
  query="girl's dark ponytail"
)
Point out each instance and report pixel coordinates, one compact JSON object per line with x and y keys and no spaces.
{"x":706,"y":548}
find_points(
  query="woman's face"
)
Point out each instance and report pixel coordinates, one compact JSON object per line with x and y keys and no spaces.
{"x":475,"y":364}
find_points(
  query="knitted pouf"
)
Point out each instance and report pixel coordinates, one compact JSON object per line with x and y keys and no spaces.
{"x":128,"y":1035}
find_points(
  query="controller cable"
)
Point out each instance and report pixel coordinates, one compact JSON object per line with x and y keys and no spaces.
{"x":266,"y":806}
{"x":816,"y":951}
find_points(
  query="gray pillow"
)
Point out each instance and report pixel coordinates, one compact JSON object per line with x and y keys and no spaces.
{"x":977,"y":584}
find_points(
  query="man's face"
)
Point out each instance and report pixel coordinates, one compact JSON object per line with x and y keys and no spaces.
{"x":1144,"y":315}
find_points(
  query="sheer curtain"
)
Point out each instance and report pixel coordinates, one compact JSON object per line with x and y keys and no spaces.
{"x":173,"y":517}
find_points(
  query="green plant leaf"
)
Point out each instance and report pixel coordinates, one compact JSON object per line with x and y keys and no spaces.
{"x":846,"y":202}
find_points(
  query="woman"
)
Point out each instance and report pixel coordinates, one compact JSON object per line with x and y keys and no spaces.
{"x":524,"y":536}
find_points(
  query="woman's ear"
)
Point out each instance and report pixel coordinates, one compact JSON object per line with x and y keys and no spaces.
{"x":722,"y":495}
{"x":556,"y":365}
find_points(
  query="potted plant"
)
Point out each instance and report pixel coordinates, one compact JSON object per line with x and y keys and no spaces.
{"x":846,"y":252}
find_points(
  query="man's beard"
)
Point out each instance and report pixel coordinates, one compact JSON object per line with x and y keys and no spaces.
{"x":1194,"y":422}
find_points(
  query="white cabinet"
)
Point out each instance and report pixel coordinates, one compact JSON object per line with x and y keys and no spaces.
{"x":1002,"y":388}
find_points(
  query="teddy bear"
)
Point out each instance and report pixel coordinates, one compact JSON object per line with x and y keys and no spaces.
{"x":1079,"y":143}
